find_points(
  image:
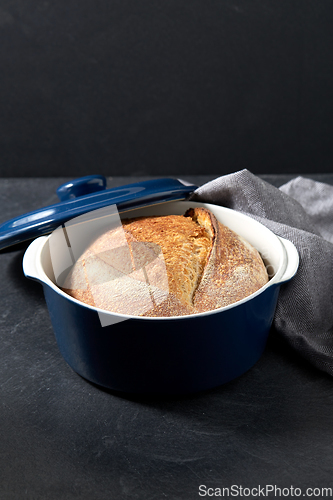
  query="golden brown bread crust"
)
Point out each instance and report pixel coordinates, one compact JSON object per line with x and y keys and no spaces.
{"x":233,"y":271}
{"x":167,"y":266}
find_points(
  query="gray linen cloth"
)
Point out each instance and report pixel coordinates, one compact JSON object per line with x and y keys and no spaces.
{"x":301,"y":211}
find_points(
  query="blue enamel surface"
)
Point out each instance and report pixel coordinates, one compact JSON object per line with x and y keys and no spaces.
{"x":45,"y":220}
{"x":174,"y":356}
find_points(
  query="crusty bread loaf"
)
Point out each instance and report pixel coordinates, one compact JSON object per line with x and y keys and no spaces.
{"x":167,"y":266}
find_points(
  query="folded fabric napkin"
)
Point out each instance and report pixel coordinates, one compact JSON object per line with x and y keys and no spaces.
{"x":301,"y":211}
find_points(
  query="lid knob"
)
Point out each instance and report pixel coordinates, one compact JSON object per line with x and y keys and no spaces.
{"x":81,"y":186}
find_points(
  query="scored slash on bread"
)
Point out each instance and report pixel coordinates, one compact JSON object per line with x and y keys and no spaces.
{"x":233,"y":270}
{"x":167,"y":266}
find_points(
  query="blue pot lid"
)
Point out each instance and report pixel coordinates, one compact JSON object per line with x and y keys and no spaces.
{"x":89,"y":193}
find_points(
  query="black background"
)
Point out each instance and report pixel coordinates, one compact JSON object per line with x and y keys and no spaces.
{"x":128,"y":87}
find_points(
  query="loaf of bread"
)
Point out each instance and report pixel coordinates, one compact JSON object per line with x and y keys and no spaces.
{"x":167,"y":266}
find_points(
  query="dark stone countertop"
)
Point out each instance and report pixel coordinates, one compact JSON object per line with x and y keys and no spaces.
{"x":64,"y":438}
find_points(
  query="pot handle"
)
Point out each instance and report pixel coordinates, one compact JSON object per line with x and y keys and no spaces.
{"x":31,"y":259}
{"x":292,"y":260}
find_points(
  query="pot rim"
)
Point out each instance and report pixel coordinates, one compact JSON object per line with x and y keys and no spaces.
{"x":289,"y":260}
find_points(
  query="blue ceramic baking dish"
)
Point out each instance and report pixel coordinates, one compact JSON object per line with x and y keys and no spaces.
{"x":175,"y":355}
